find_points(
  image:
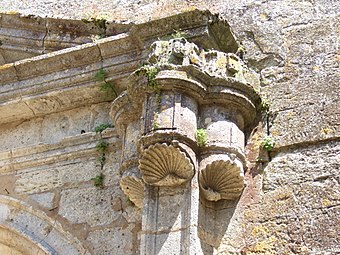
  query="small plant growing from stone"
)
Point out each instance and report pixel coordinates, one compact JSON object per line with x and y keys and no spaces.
{"x":150,"y":72}
{"x":265,"y":105}
{"x":98,"y":181}
{"x":98,"y":23}
{"x":201,"y":137}
{"x":105,"y":86}
{"x":101,"y":147}
{"x":155,"y":122}
{"x":102,"y":127}
{"x":178,"y":34}
{"x":268,"y":143}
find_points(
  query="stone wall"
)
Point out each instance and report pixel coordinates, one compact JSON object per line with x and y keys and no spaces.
{"x":290,"y":204}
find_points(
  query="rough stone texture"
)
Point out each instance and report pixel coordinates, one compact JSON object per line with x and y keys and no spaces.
{"x":61,"y":125}
{"x":299,"y":209}
{"x":291,"y":206}
{"x":118,"y":240}
{"x":96,"y":203}
{"x":293,"y":45}
{"x":44,"y":199}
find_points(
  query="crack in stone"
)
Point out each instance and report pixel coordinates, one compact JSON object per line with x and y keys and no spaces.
{"x":29,"y":108}
{"x":44,"y":38}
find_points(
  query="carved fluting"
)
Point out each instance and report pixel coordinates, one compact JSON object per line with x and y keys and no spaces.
{"x":221,"y":180}
{"x":165,"y":165}
{"x":133,"y":187}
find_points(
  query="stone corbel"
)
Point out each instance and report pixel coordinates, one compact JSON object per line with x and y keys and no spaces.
{"x":190,"y":88}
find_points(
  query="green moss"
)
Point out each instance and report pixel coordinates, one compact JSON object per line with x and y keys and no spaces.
{"x":265,"y":105}
{"x":100,"y":24}
{"x":98,"y":181}
{"x":201,"y":137}
{"x":178,"y":34}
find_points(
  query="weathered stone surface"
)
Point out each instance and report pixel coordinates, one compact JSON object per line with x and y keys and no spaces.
{"x":15,"y":244}
{"x":286,"y":42}
{"x":117,"y":240}
{"x":44,"y":199}
{"x":300,"y":205}
{"x":46,"y":179}
{"x":61,"y":125}
{"x":96,"y":202}
{"x":38,"y":233}
{"x":293,"y":47}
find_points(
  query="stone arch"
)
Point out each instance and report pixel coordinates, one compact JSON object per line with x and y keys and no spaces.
{"x":13,"y":243}
{"x":25,"y":231}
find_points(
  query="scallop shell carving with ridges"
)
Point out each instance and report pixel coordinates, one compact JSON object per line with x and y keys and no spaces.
{"x":134,"y":188}
{"x":165,"y":165}
{"x":221,"y":180}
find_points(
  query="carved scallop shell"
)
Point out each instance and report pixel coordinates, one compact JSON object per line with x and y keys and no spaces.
{"x":133,"y":187}
{"x":221,"y":180}
{"x":165,"y":165}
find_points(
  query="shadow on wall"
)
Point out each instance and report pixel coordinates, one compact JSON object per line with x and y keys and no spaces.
{"x":213,"y":221}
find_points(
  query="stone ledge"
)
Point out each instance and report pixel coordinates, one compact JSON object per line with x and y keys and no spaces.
{"x":69,"y":148}
{"x":23,"y":36}
{"x":27,"y":84}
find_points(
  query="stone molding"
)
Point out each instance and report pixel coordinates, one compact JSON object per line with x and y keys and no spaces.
{"x":27,"y":36}
{"x":43,"y":84}
{"x":79,"y":146}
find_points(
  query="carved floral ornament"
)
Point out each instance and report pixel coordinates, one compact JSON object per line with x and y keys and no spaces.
{"x":183,"y":89}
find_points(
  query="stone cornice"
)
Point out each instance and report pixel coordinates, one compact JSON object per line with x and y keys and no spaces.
{"x":79,"y":146}
{"x":65,"y":79}
{"x":33,"y":35}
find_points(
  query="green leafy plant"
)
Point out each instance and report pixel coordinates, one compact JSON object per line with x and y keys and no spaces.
{"x":100,"y":75}
{"x":98,"y":181}
{"x":268,"y":143}
{"x":155,"y":125}
{"x":100,"y":24}
{"x":201,"y":137}
{"x":102,"y":146}
{"x":102,"y":159}
{"x":265,"y":105}
{"x":102,"y":127}
{"x":105,"y":86}
{"x":150,"y":72}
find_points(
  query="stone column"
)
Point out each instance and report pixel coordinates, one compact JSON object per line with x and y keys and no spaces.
{"x":168,"y":165}
{"x":221,"y":166}
{"x":221,"y":170}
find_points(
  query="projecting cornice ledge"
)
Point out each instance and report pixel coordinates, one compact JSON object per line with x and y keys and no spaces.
{"x":64,"y":79}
